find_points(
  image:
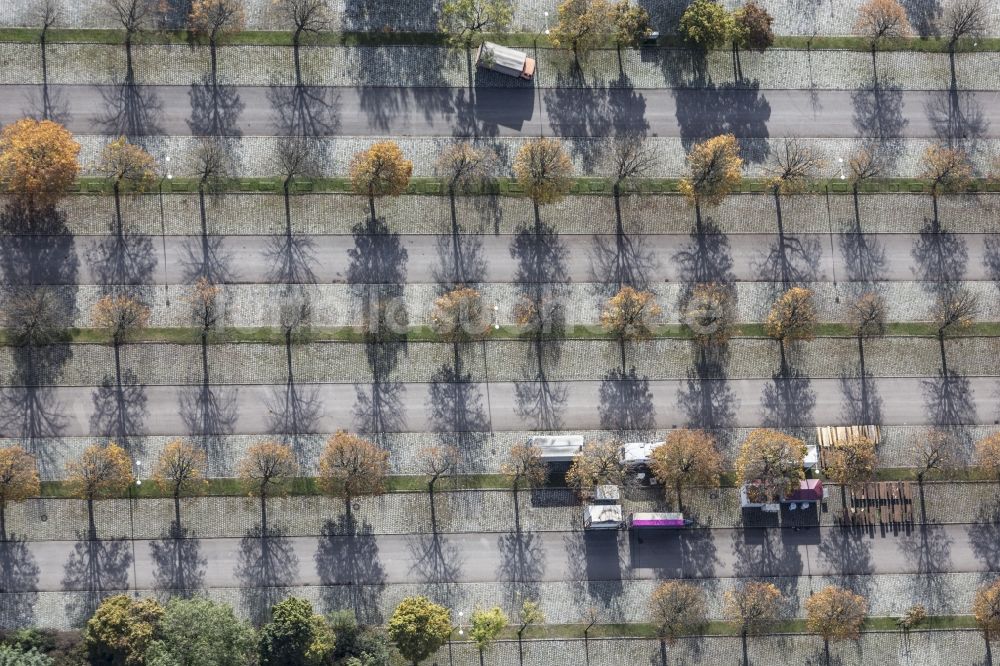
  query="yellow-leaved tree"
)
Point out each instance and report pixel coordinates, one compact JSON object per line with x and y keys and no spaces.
{"x":714,"y":170}
{"x":458,"y":315}
{"x":99,"y":472}
{"x":180,"y":471}
{"x":596,"y":464}
{"x":686,"y":458}
{"x":543,"y":168}
{"x":351,"y":466}
{"x":835,"y":614}
{"x":792,"y":317}
{"x":770,"y":464}
{"x":38,"y":161}
{"x":18,"y":480}
{"x":380,"y":171}
{"x":266,"y":470}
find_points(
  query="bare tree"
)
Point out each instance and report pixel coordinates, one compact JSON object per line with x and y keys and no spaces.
{"x":962,"y":19}
{"x":866,"y":163}
{"x":955,"y":309}
{"x":33,"y":318}
{"x":936,"y":451}
{"x":46,"y":14}
{"x":296,"y":157}
{"x":310,"y":17}
{"x":866,"y":315}
{"x":211,"y":165}
{"x":438,"y":462}
{"x":632,"y":157}
{"x":793,"y":166}
{"x":132,"y":15}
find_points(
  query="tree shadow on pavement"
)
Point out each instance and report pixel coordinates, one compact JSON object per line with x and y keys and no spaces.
{"x":626,"y":403}
{"x":706,"y":257}
{"x":29,"y":409}
{"x":306,"y":111}
{"x":706,"y":396}
{"x":437,"y":564}
{"x":705,"y":110}
{"x":862,"y":402}
{"x":266,"y":568}
{"x":763,"y":553}
{"x":619,"y":260}
{"x":521,"y":560}
{"x":984,"y":536}
{"x":350,"y":569}
{"x":119,"y":409}
{"x":863,"y":255}
{"x":19,"y":574}
{"x":455,"y":407}
{"x":215,"y":108}
{"x":378,"y":15}
{"x":924,"y":16}
{"x":788,"y":399}
{"x":131,"y":110}
{"x":927,"y":552}
{"x":294,"y":411}
{"x":209,"y":413}
{"x":957,"y":117}
{"x":596,"y":571}
{"x":848,"y":552}
{"x":941,"y":256}
{"x":878,"y":115}
{"x":96,"y":568}
{"x":791,"y":260}
{"x":123,"y":259}
{"x":179,"y":563}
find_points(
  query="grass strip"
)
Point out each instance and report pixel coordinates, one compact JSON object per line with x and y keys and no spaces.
{"x":508,"y":187}
{"x":388,"y":37}
{"x":351,"y":334}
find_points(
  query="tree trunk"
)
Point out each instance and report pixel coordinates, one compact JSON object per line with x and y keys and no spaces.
{"x":3,"y":520}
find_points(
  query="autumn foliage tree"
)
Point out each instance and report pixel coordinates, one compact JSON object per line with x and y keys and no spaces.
{"x":380,"y":171}
{"x":465,"y":21}
{"x":986,"y":609}
{"x":524,"y":466}
{"x":121,"y":630}
{"x":120,"y":316}
{"x":792,"y":317}
{"x":879,"y":20}
{"x":458,"y":315}
{"x":266,"y":469}
{"x":465,"y":167}
{"x":988,"y":454}
{"x":629,"y":314}
{"x":835,"y":614}
{"x":947,"y":169}
{"x":866,"y":314}
{"x":38,"y":161}
{"x":709,"y":313}
{"x":180,"y":471}
{"x":543,"y":168}
{"x":752,"y":27}
{"x":214,"y":18}
{"x":686,"y":458}
{"x":770,"y":463}
{"x":714,"y":170}
{"x":351,"y":466}
{"x":596,"y":464}
{"x":753,"y":606}
{"x":18,"y":480}
{"x":581,"y":24}
{"x":125,"y":163}
{"x":99,"y":472}
{"x":852,"y":461}
{"x":203,"y":298}
{"x":677,"y":608}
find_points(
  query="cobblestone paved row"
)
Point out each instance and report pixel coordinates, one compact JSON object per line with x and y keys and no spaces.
{"x":254,"y":156}
{"x":823,"y":17}
{"x":249,"y":306}
{"x":506,"y":360}
{"x":264,"y":214}
{"x":432,"y":66}
{"x":489,"y":511}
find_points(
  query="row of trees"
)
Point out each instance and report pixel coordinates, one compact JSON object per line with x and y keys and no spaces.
{"x":39,"y":162}
{"x":200,"y":632}
{"x":706,"y":24}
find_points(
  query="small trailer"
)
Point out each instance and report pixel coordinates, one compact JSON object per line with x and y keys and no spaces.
{"x":602,"y":517}
{"x":667,"y":520}
{"x":506,"y":61}
{"x":636,"y":454}
{"x":557,"y":448}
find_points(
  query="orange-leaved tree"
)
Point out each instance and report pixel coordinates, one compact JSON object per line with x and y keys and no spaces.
{"x":38,"y":161}
{"x":18,"y":480}
{"x":351,"y":466}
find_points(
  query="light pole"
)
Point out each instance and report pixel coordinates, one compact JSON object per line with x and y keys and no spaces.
{"x":840,"y":161}
{"x":486,"y":368}
{"x":546,"y":24}
{"x":460,"y":633}
{"x":131,"y":519}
